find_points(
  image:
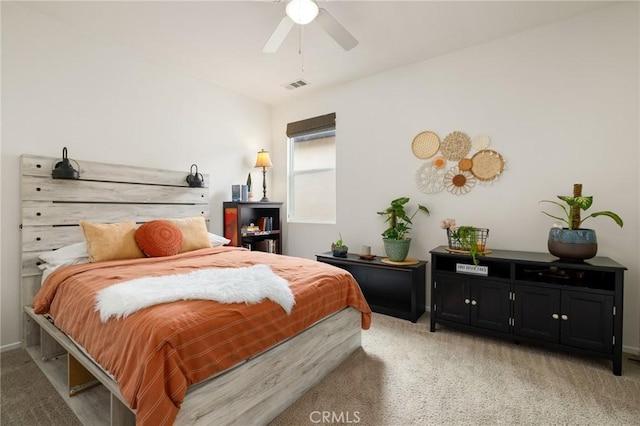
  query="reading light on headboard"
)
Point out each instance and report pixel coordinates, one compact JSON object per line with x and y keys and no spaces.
{"x":64,"y":169}
{"x":195,"y":180}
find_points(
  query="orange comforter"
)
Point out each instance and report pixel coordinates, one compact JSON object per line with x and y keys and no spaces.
{"x":155,"y":354}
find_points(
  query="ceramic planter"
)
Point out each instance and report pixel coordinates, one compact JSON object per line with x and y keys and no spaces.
{"x":397,"y":250}
{"x":572,"y":244}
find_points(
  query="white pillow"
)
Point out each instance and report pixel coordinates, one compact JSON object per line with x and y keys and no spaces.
{"x":217,"y":240}
{"x":68,"y":255}
{"x":75,"y":254}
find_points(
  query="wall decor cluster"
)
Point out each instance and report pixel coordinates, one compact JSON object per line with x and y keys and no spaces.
{"x":457,"y":163}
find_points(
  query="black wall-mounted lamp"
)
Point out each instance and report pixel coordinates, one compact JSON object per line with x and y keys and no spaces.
{"x":195,"y":180}
{"x":64,"y":169}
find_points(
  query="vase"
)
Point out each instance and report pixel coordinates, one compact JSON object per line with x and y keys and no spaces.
{"x":572,"y":244}
{"x":397,"y":250}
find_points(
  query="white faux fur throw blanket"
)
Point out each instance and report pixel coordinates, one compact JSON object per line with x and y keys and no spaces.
{"x":250,"y":284}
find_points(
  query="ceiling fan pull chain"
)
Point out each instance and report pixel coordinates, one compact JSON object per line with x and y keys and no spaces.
{"x":300,"y":43}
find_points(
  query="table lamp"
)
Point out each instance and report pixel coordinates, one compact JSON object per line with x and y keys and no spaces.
{"x":264,"y":161}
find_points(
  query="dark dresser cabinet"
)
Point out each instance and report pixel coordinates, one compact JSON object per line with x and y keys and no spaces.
{"x":532,"y":297}
{"x":396,"y":290}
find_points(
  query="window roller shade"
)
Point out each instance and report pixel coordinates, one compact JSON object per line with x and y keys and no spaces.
{"x":311,"y":125}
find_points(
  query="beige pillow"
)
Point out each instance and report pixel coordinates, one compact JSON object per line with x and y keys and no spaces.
{"x":194,"y":232}
{"x":110,"y":241}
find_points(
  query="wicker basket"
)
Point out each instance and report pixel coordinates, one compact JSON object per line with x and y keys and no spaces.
{"x":481,"y":240}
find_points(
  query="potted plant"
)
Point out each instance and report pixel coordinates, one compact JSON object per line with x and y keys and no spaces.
{"x":573,"y":242}
{"x":338,"y":248}
{"x":467,"y":239}
{"x":396,"y":242}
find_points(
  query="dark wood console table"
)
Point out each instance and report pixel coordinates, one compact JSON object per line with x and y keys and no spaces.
{"x":532,"y":297}
{"x":396,"y":290}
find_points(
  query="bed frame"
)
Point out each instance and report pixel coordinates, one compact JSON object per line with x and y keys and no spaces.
{"x":254,"y":392}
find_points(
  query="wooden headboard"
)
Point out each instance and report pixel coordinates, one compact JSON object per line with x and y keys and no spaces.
{"x":105,"y":193}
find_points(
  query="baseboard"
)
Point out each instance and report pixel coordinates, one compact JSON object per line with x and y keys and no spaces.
{"x":10,"y":347}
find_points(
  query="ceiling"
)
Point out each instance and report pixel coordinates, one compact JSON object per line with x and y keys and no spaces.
{"x":221,"y":41}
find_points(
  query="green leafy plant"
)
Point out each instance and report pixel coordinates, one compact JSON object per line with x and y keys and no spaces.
{"x":338,"y":248}
{"x":575,"y":205}
{"x":398,"y":219}
{"x":467,"y":235}
{"x":465,"y":238}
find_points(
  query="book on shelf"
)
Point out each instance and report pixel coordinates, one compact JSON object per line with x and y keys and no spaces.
{"x":267,"y":245}
{"x":265,"y":223}
{"x":236,"y":192}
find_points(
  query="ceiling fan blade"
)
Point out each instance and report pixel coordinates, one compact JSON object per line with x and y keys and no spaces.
{"x":278,"y":35}
{"x":336,"y":30}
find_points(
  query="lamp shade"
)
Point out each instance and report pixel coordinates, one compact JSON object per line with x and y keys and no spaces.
{"x":263,"y":159}
{"x":302,"y":11}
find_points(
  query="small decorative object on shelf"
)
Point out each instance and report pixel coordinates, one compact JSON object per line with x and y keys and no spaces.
{"x":249,"y":187}
{"x":338,"y":248}
{"x":575,"y":243}
{"x":466,"y":239}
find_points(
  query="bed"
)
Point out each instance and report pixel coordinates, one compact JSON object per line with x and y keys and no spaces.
{"x":252,"y":385}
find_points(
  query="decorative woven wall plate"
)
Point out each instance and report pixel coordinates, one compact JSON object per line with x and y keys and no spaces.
{"x":480,"y":142}
{"x":465,"y":164}
{"x":425,"y":145}
{"x":487,"y":165}
{"x":430,"y":179}
{"x":439,"y":162}
{"x":455,"y":146}
{"x":459,"y":182}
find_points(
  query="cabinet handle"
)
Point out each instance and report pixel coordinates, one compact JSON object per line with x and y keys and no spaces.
{"x":564,"y":317}
{"x":555,"y":316}
{"x":467,"y":301}
{"x":474,"y":303}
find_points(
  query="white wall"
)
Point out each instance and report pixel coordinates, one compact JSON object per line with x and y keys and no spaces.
{"x":560,"y":103}
{"x":63,"y":88}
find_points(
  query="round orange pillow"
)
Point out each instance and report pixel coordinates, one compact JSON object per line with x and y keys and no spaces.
{"x":159,"y":238}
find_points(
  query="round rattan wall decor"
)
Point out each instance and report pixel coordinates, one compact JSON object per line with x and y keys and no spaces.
{"x":425,"y":145}
{"x":480,"y":142}
{"x":439,"y":162}
{"x":465,"y":164}
{"x":459,"y":182}
{"x":430,"y":179}
{"x":455,"y":146}
{"x":487,"y":165}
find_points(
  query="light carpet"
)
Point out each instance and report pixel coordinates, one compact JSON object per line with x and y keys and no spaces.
{"x":406,"y":375}
{"x":27,"y":397}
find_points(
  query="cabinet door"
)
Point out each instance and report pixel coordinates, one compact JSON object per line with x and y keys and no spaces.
{"x":452,"y":298}
{"x":537,"y":312}
{"x":490,"y":305}
{"x":587,"y":321}
{"x":385,"y":289}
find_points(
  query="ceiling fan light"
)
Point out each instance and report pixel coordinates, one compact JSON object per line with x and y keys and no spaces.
{"x":302,"y":11}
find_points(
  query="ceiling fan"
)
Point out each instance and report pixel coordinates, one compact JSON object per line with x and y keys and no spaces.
{"x":302,"y":12}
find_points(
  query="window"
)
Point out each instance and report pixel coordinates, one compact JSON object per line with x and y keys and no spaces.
{"x":312,"y":170}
